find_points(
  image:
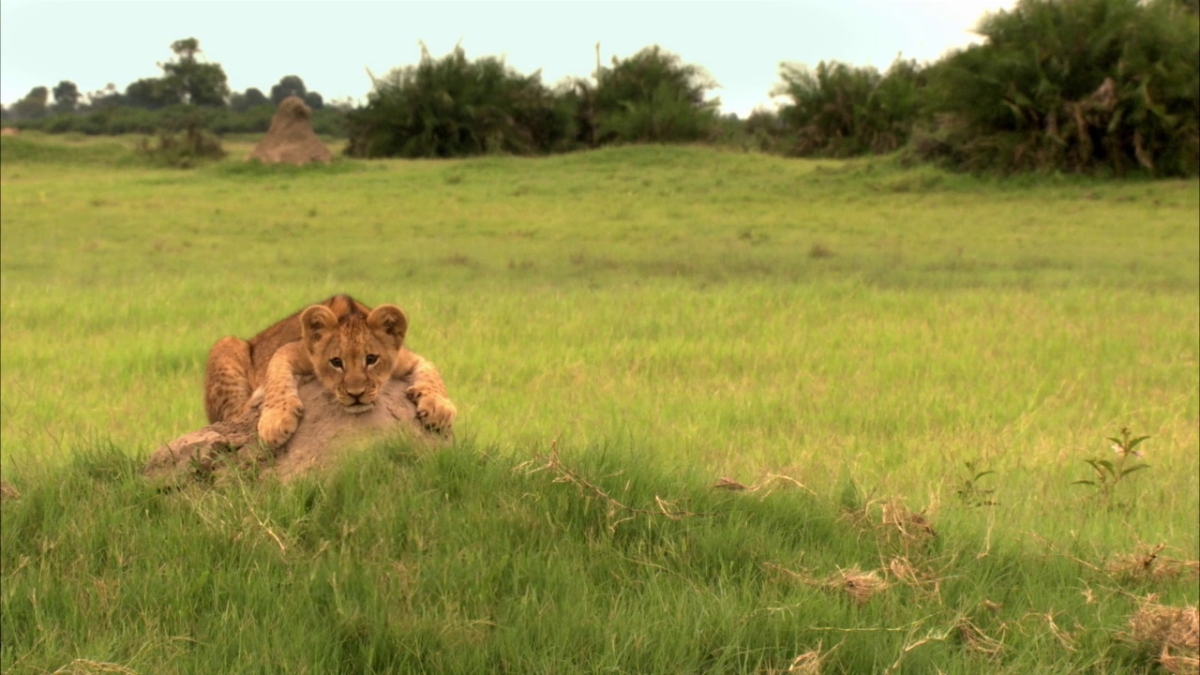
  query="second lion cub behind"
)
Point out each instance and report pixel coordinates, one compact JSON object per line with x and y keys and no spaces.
{"x":351,"y":349}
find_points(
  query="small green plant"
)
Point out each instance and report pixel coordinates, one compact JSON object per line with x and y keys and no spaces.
{"x":184,"y":150}
{"x":969,"y":491}
{"x":1110,"y":473}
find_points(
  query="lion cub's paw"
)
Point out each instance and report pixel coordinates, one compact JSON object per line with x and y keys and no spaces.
{"x":434,"y":410}
{"x":278,"y":423}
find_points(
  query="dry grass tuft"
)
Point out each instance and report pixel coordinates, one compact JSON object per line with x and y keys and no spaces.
{"x":977,"y":641}
{"x":1064,"y":637}
{"x":564,"y":474}
{"x":860,"y":586}
{"x":730,"y":484}
{"x":912,"y":526}
{"x":803,"y":576}
{"x":1172,"y":632}
{"x":1179,"y":665}
{"x":1136,"y":565}
{"x":922,"y":580}
{"x":1150,"y":565}
{"x":894,"y":520}
{"x":770,"y":483}
{"x":808,"y":663}
{"x":88,"y":667}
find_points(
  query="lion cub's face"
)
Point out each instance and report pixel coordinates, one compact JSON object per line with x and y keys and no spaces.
{"x":353,"y":357}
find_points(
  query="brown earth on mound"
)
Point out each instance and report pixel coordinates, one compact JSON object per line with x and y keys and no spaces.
{"x":290,"y":138}
{"x":325,"y":431}
{"x":10,"y":131}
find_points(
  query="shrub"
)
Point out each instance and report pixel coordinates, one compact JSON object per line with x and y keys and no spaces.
{"x":1074,"y":85}
{"x":452,"y":107}
{"x":651,"y":96}
{"x":182,"y":144}
{"x":839,"y":110}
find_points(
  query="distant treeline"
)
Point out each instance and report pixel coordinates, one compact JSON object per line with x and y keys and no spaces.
{"x":112,"y":120}
{"x":188,"y":92}
{"x":1069,"y":85}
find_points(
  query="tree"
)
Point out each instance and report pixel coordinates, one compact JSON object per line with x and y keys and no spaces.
{"x":190,"y":81}
{"x":251,"y":98}
{"x":33,"y":105}
{"x":314,"y":100}
{"x":292,"y":85}
{"x":184,"y":80}
{"x":341,"y":104}
{"x":289,"y":85}
{"x":186,"y":49}
{"x":255,"y":97}
{"x":150,"y":93}
{"x":108,"y":97}
{"x":66,"y":97}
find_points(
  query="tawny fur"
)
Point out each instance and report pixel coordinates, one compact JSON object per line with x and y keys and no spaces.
{"x":303,"y":346}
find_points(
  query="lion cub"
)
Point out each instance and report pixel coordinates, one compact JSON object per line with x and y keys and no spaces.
{"x":351,"y":349}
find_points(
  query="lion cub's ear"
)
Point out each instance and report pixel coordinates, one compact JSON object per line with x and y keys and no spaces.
{"x":315,"y":321}
{"x":391,"y":321}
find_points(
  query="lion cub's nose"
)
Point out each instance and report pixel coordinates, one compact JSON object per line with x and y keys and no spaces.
{"x":356,"y":395}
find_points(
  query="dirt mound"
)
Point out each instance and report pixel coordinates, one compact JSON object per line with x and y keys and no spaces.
{"x":10,"y":131}
{"x":324,"y":433}
{"x":290,"y":138}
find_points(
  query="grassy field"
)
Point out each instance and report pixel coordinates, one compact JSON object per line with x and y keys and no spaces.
{"x":857,"y":340}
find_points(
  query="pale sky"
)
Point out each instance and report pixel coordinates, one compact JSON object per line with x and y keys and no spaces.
{"x":331,"y":44}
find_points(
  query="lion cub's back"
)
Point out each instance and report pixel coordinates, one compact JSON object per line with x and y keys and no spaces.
{"x":264,"y":345}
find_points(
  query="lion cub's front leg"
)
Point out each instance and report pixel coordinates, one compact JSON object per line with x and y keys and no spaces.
{"x":428,"y":392}
{"x":282,"y":407}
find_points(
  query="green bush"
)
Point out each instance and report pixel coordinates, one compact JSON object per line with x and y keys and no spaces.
{"x":328,"y":121}
{"x":650,"y":97}
{"x":1072,"y":85}
{"x":839,"y":110}
{"x":453,"y":107}
{"x":183,"y":143}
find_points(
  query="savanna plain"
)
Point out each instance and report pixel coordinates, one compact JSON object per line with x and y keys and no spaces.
{"x":719,"y":412}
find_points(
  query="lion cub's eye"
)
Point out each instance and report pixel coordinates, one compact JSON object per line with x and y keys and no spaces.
{"x":336,"y":363}
{"x":371,"y":359}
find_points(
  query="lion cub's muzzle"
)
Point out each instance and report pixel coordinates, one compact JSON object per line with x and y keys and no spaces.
{"x":357,"y":403}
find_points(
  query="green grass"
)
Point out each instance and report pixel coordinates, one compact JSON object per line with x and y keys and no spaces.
{"x":459,"y":562}
{"x":664,"y":316}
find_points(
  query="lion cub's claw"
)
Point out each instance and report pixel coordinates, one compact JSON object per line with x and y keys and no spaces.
{"x":435,"y":411}
{"x":277,"y":424}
